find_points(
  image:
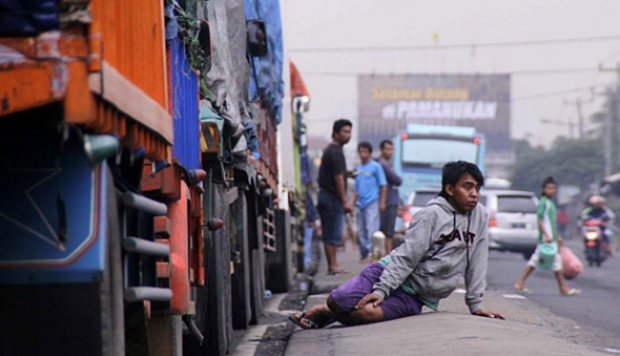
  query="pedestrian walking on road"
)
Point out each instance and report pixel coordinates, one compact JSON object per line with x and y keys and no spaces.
{"x":371,"y":192}
{"x":332,"y":201}
{"x":388,"y":217}
{"x":447,"y":240}
{"x":547,"y":234}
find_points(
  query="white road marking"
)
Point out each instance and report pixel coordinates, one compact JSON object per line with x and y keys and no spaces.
{"x":460,"y":291}
{"x":514,"y":296}
{"x":613,"y":351}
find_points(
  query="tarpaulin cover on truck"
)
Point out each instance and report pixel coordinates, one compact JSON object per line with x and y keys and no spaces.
{"x":228,"y":77}
{"x":266,"y":83}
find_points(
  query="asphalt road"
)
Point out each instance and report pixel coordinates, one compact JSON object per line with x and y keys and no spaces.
{"x":596,"y":310}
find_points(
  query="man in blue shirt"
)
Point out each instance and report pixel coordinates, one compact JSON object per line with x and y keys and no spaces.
{"x":371,"y":194}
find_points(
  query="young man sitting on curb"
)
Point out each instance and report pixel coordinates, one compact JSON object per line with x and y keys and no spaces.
{"x":446,"y":241}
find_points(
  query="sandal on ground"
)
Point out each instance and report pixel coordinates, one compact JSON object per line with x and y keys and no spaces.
{"x":300,"y":320}
{"x":522,"y":290}
{"x":337,"y":272}
{"x":572,"y":292}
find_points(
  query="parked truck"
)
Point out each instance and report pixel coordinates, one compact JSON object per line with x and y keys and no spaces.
{"x":147,"y":199}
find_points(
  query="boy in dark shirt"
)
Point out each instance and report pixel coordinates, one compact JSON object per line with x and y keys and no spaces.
{"x":388,"y":217}
{"x":332,"y":200}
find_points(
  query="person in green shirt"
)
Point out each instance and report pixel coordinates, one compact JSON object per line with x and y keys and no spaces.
{"x":546,"y":213}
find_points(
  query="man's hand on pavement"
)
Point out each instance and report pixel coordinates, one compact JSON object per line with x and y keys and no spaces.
{"x":374,"y":298}
{"x":347,"y":208}
{"x":382,"y":207}
{"x":488,"y":314}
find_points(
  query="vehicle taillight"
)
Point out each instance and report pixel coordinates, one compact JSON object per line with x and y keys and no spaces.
{"x":404,"y":137}
{"x":477,"y":140}
{"x":492,"y":220}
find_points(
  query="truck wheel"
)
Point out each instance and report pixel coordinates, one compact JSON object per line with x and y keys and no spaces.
{"x":257,"y":257}
{"x":241,"y":277}
{"x":218,"y":307}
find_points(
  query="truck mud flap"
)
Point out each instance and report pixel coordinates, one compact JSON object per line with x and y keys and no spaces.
{"x":280,"y":263}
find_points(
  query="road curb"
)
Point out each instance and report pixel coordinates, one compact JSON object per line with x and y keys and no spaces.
{"x":277,"y":335}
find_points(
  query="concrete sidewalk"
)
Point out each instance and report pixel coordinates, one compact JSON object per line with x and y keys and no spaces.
{"x":529,"y":329}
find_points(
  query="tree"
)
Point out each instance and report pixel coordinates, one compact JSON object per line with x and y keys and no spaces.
{"x":574,"y":162}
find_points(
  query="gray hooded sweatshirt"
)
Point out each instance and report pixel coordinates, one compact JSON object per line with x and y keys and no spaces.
{"x":441,"y":246}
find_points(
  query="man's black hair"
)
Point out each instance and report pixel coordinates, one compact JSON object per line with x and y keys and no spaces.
{"x":453,"y":171}
{"x":366,"y":145}
{"x":339,"y":124}
{"x":548,"y":180}
{"x":386,"y":142}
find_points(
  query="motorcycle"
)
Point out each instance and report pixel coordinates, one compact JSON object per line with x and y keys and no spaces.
{"x":592,"y":232}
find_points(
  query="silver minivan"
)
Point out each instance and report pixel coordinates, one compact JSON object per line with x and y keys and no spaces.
{"x":419,"y":198}
{"x":512,"y":220}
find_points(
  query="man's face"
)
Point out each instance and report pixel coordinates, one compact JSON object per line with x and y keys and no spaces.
{"x":387,"y":151}
{"x":465,"y":194}
{"x":549,"y":190}
{"x":364,"y":154}
{"x":344,"y":135}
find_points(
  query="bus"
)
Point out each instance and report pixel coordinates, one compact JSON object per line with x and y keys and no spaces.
{"x":421,"y":151}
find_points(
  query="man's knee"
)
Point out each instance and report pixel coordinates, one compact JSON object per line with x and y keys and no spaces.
{"x":331,"y":304}
{"x":368,"y":314}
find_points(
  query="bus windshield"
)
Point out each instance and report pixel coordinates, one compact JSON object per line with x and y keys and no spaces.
{"x":433,"y":152}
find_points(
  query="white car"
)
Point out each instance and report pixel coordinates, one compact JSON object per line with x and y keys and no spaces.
{"x":513,"y":225}
{"x":419,"y":198}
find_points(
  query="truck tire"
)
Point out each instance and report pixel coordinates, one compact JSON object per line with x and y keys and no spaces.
{"x":241,"y":277}
{"x":218,"y":334}
{"x":257,"y":257}
{"x":280,"y":263}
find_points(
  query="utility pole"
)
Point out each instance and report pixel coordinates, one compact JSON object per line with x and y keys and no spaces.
{"x":614,"y":105}
{"x":607,"y":135}
{"x":578,"y":104}
{"x":607,"y":143}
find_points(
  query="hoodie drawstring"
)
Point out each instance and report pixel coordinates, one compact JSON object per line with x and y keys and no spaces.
{"x":467,"y":241}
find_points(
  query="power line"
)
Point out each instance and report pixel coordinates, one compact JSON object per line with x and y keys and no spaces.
{"x":525,"y":72}
{"x":561,"y":92}
{"x":459,"y":45}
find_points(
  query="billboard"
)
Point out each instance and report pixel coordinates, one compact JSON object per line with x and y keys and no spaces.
{"x":387,"y":103}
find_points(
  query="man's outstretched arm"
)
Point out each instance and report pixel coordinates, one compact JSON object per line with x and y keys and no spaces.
{"x":475,"y":278}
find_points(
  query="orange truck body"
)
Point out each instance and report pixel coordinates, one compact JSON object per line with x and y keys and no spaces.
{"x":109,"y":75}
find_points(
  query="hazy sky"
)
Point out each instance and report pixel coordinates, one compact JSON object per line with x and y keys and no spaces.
{"x":365,"y":23}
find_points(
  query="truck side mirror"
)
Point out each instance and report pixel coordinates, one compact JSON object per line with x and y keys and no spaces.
{"x":257,"y":38}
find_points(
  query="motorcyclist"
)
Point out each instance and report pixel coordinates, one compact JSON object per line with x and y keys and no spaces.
{"x":598,"y":210}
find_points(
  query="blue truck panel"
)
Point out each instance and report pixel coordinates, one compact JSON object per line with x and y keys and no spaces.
{"x":184,"y":107}
{"x":19,"y":17}
{"x":53,"y":218}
